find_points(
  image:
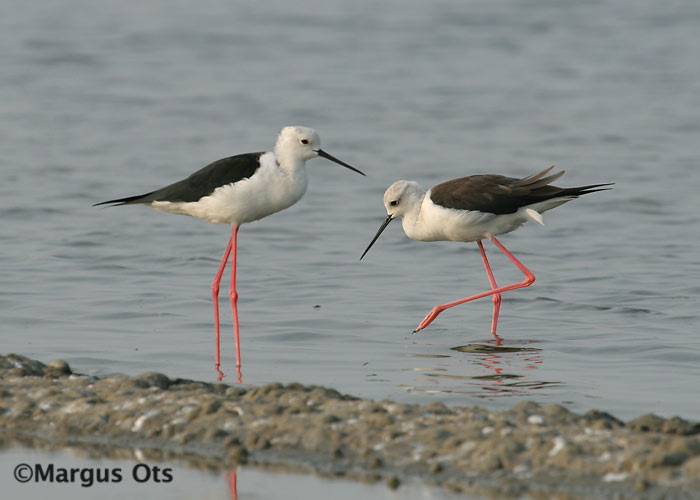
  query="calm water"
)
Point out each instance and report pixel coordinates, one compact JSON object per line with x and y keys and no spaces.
{"x":102,"y":101}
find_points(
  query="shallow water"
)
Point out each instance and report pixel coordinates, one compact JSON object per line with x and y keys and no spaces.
{"x":107,"y":101}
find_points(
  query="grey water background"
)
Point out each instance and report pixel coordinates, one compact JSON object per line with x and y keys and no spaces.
{"x":103,"y":100}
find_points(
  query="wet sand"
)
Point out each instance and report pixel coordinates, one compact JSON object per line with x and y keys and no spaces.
{"x":541,"y":452}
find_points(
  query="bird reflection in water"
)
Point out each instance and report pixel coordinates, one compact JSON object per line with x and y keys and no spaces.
{"x":502,"y":370}
{"x":505,"y":367}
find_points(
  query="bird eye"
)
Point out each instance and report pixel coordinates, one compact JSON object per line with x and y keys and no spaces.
{"x":394,"y":203}
{"x":304,"y":141}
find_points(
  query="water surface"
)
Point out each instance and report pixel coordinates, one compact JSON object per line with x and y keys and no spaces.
{"x":103,"y":101}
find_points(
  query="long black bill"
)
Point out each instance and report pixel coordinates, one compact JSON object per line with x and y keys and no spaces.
{"x":325,"y":155}
{"x":386,"y":222}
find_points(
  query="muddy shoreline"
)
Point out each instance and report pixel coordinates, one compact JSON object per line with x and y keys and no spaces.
{"x":528,"y":450}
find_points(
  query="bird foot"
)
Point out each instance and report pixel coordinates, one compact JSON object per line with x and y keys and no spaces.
{"x":428,"y":318}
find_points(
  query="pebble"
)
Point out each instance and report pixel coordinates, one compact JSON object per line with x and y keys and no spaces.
{"x":545,"y":451}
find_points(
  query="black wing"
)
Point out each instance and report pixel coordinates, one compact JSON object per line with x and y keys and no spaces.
{"x":498,"y":194}
{"x":201,"y":183}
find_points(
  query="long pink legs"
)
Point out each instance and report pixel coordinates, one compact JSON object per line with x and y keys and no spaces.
{"x":233,"y":299}
{"x":529,"y":279}
{"x":496,"y":296}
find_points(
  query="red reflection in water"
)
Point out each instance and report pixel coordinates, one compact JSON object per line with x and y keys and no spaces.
{"x":499,"y":363}
{"x":231,"y":479}
{"x":527,"y":354}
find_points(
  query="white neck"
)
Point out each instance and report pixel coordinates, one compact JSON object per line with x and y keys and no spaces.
{"x":288,"y":162}
{"x":412,"y":213}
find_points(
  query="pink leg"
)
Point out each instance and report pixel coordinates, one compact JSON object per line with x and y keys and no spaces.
{"x":529,"y":279}
{"x":496,"y":296}
{"x":232,"y":484}
{"x":215,"y":301}
{"x":233,"y":298}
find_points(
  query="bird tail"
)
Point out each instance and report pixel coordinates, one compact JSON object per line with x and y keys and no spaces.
{"x":538,"y":180}
{"x":129,"y":200}
{"x":581,"y":190}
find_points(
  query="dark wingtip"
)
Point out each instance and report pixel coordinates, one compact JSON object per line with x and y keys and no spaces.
{"x":110,"y":203}
{"x":591,"y":188}
{"x":595,"y":188}
{"x":129,"y":200}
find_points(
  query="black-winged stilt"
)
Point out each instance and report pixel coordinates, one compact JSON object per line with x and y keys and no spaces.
{"x":236,"y":190}
{"x":474,"y":208}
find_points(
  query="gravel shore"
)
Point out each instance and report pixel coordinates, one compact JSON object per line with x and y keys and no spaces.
{"x":527,"y":451}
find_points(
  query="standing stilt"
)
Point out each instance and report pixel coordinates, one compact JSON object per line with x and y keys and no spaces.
{"x":473,"y":208}
{"x":236,"y":190}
